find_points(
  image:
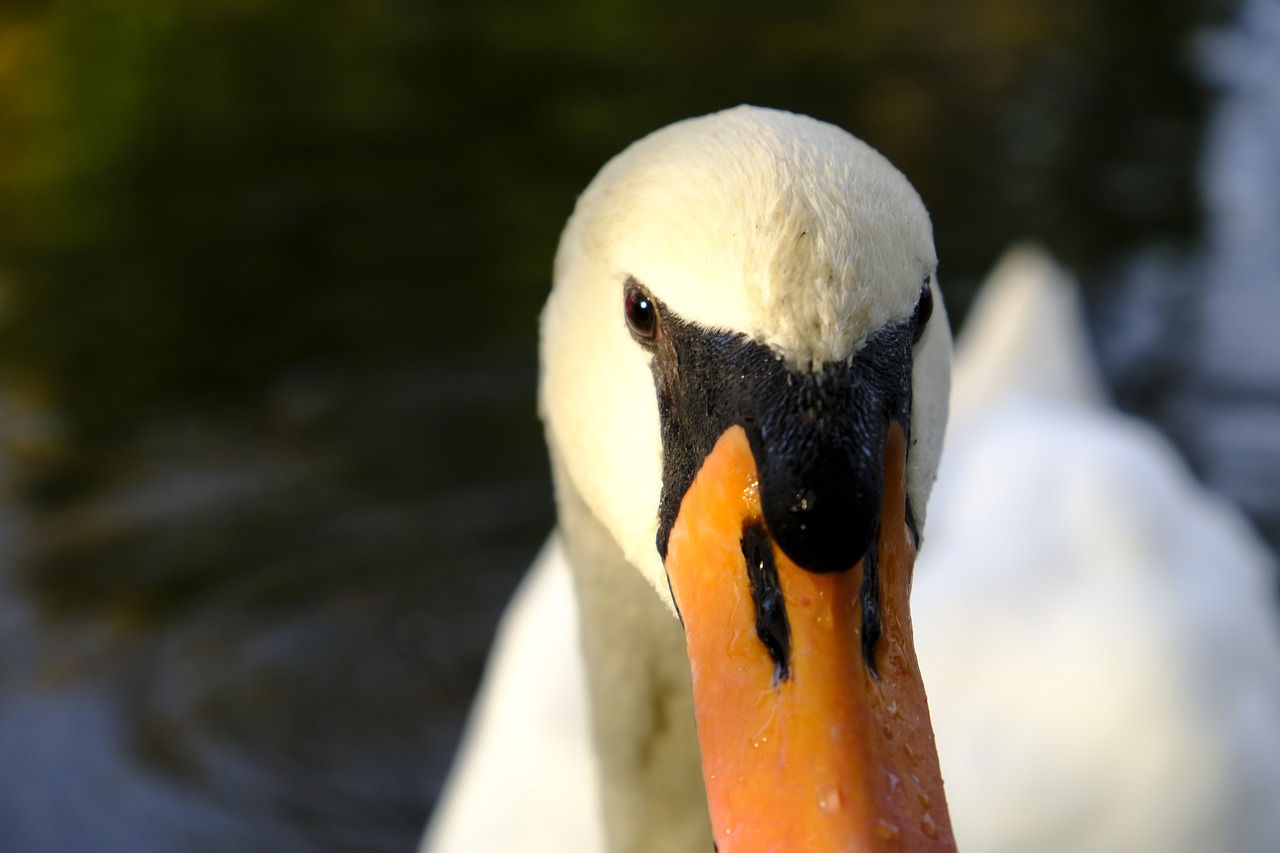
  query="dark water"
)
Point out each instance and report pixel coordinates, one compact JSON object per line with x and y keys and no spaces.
{"x":264,"y":641}
{"x":269,"y":280}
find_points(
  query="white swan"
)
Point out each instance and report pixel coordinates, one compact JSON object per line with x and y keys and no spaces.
{"x":744,"y":397}
{"x":1097,"y":632}
{"x":1040,"y":750}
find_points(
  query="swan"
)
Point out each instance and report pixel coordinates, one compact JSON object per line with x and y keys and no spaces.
{"x":745,"y":365}
{"x":1096,"y":633}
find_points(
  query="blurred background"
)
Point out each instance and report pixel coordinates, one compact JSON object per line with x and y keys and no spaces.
{"x":269,"y":281}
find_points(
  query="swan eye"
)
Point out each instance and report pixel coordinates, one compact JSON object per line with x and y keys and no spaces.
{"x":924,"y":310}
{"x":642,"y":314}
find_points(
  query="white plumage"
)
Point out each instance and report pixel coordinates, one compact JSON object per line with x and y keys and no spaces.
{"x":1097,"y":634}
{"x":525,"y":777}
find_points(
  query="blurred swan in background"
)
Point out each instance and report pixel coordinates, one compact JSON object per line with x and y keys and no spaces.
{"x":1097,"y":633}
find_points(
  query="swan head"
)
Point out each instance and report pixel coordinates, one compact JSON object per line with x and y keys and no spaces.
{"x":745,"y":370}
{"x":770,"y":225}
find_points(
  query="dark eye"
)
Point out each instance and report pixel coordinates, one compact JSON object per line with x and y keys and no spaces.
{"x":924,"y":310}
{"x":642,"y":314}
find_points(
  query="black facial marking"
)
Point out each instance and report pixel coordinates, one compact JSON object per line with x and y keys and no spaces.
{"x":771,"y":610}
{"x":869,"y":597}
{"x":818,"y":437}
{"x":924,"y":310}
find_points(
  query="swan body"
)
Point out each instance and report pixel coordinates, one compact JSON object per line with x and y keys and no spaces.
{"x":526,"y":778}
{"x":1098,"y":633}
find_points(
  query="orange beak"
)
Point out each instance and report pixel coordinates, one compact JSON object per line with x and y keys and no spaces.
{"x":804,"y":746}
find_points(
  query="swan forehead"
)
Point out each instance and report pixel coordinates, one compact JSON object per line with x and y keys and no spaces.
{"x":768,"y":223}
